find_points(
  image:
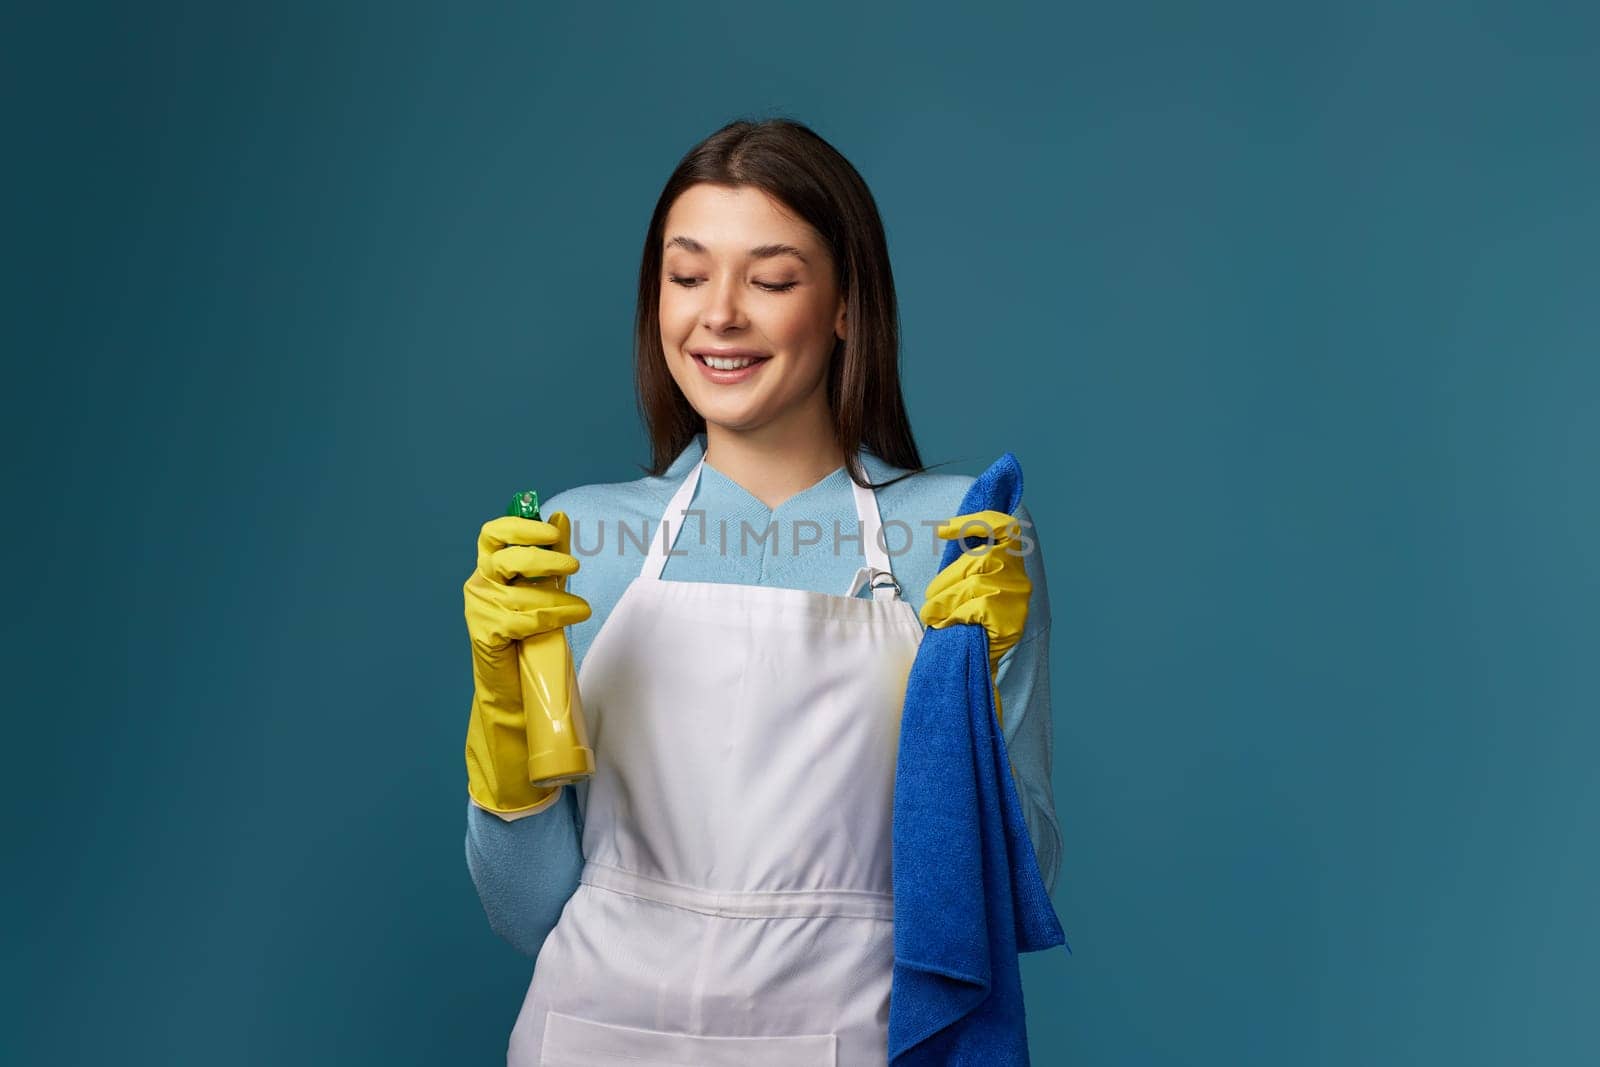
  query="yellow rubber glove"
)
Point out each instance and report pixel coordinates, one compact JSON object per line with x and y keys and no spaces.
{"x":987,"y":585}
{"x":518,"y":589}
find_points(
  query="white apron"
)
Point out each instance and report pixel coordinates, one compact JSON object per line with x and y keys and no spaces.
{"x":736,"y":905}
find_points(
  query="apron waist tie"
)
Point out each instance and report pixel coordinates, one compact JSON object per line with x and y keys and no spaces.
{"x":763,"y":904}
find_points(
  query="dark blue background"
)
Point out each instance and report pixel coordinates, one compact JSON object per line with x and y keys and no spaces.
{"x":1288,"y":311}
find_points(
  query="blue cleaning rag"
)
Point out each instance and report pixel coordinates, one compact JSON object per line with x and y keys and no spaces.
{"x":968,"y":895}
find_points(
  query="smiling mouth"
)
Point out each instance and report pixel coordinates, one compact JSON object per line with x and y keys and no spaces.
{"x":738,"y":363}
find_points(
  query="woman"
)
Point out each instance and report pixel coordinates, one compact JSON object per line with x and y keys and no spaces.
{"x":719,"y":891}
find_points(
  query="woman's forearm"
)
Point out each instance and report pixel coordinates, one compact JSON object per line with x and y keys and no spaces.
{"x":524,"y":869}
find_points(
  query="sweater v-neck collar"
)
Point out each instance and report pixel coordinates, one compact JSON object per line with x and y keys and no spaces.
{"x":750,"y":502}
{"x":839,"y":477}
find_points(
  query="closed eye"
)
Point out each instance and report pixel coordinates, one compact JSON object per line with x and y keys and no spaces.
{"x":771,"y":287}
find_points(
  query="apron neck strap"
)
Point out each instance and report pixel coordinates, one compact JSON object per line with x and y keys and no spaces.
{"x":866,"y":501}
{"x":672,"y":520}
{"x":872,"y":538}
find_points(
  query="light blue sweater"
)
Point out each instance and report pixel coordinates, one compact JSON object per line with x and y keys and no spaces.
{"x":526,"y":869}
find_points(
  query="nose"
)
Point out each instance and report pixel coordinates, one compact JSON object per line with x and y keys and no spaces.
{"x":722,"y":309}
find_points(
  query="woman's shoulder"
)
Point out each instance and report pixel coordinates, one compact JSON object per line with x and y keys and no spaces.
{"x":928,"y":495}
{"x":917,"y":497}
{"x":625,"y":501}
{"x":922,"y":491}
{"x":613,"y":502}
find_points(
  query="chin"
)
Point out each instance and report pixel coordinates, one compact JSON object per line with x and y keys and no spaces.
{"x":732,"y":421}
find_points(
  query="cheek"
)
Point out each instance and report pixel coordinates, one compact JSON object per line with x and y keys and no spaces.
{"x":791,"y":323}
{"x":809,"y":329}
{"x":674,"y":309}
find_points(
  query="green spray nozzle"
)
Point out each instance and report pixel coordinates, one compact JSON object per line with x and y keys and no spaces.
{"x":524,"y":505}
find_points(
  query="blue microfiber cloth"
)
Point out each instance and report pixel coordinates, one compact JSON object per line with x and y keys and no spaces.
{"x":968,"y":895}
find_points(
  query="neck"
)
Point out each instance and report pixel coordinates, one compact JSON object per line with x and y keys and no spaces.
{"x":773,"y":463}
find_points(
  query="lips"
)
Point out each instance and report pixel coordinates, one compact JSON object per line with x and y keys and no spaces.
{"x":729,"y":366}
{"x":728,"y":359}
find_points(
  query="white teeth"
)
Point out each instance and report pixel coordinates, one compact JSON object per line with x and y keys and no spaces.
{"x":727,"y":364}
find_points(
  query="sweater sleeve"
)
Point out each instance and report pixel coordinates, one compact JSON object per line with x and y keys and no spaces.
{"x":1023,"y":678}
{"x":524,"y":869}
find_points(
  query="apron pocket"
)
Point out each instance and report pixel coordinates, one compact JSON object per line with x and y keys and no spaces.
{"x":573,"y":1042}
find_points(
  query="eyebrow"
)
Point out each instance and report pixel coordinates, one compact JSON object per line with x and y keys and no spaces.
{"x":758,"y":252}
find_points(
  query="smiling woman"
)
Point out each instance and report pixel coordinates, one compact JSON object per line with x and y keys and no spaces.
{"x":766,"y":243}
{"x":748,"y":331}
{"x":720,"y":891}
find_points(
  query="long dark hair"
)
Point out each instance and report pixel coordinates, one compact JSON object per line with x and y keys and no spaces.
{"x":807,"y":174}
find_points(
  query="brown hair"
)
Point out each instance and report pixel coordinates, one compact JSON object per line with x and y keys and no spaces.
{"x":790,"y":162}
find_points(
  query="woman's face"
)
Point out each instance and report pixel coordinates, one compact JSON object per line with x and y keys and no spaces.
{"x":742,"y":277}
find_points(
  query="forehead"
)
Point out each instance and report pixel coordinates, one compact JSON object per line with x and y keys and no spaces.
{"x":730,"y":220}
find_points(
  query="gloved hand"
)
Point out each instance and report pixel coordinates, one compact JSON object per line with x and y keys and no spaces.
{"x":518,"y":589}
{"x":987,"y":585}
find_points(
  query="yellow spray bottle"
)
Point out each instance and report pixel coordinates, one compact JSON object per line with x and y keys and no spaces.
{"x":558,"y":743}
